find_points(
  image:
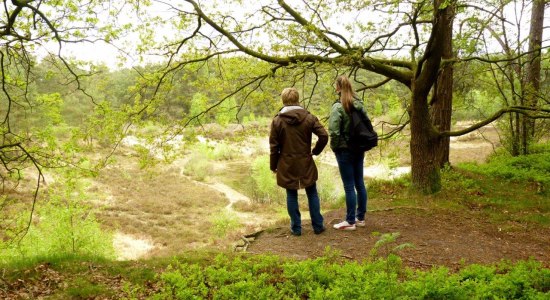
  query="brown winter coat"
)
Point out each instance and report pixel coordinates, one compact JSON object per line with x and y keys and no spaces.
{"x":290,"y":147}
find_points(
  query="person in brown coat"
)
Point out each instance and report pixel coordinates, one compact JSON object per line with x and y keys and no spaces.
{"x":291,"y":157}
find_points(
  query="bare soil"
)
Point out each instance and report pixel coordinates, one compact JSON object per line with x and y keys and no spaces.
{"x":169,"y":209}
{"x":438,"y":238}
{"x":443,"y":237}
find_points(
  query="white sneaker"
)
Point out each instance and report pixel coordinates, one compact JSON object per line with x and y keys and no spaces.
{"x":359,"y":223}
{"x":344,"y":226}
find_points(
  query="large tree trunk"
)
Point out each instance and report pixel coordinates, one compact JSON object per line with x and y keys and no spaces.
{"x":532,"y":81}
{"x":424,"y":164}
{"x":424,"y":136}
{"x":442,"y":101}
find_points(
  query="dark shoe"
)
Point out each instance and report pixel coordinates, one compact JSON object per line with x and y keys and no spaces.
{"x":295,"y":233}
{"x":320,"y":231}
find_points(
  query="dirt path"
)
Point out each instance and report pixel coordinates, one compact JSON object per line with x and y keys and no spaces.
{"x":233,"y":196}
{"x":439,"y":238}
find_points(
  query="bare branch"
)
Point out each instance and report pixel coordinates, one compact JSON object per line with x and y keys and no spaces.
{"x":374,"y":86}
{"x":530,"y":112}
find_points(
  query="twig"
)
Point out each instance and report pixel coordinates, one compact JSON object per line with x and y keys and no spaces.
{"x":419,"y":262}
{"x":398,"y":207}
{"x":246,"y":243}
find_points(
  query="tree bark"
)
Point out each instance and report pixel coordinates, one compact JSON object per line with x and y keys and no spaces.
{"x":424,"y":136}
{"x":442,"y":101}
{"x":532,"y":81}
{"x":424,"y":164}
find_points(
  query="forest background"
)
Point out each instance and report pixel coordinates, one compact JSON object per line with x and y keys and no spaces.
{"x":86,"y":147}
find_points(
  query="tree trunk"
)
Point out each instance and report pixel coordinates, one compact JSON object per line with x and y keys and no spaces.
{"x":424,"y":164}
{"x":424,"y":136}
{"x":442,"y":101}
{"x":532,"y":86}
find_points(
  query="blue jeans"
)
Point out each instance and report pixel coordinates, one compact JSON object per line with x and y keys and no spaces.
{"x":294,"y":210}
{"x":350,"y":165}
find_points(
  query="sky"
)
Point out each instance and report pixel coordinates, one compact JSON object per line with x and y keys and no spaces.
{"x":106,"y":54}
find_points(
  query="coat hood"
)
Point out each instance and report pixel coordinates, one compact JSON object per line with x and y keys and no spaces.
{"x":293,"y":114}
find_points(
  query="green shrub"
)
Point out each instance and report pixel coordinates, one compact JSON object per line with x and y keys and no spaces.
{"x":224,"y":222}
{"x":532,"y":167}
{"x":219,"y":151}
{"x":270,"y":277}
{"x":224,"y":151}
{"x":264,"y":182}
{"x":453,"y":180}
{"x":63,"y":225}
{"x":330,"y":190}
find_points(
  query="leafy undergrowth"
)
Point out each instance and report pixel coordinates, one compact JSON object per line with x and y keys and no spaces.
{"x":534,"y":168}
{"x":226,"y":276}
{"x":504,"y":190}
{"x":515,"y":203}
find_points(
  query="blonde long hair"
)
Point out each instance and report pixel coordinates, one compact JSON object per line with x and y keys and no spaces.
{"x":346,"y":92}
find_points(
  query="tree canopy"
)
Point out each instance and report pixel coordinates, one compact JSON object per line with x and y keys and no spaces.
{"x":304,"y":43}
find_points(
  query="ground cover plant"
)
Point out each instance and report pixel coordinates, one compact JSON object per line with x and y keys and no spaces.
{"x":413,"y":247}
{"x":229,"y":276}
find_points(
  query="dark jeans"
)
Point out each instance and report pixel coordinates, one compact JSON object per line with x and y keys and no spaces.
{"x":294,"y":210}
{"x":350,"y":165}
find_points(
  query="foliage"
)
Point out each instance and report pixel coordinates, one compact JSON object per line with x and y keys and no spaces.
{"x":385,"y":243}
{"x":270,"y":277}
{"x":226,"y":112}
{"x":64,"y":225}
{"x":224,"y":222}
{"x":198,"y":106}
{"x":330,"y":190}
{"x":532,"y":167}
{"x":203,"y":157}
{"x":264,"y":182}
{"x":474,"y":104}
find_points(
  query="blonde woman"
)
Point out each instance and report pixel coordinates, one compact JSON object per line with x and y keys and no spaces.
{"x":291,"y":158}
{"x":350,"y":163}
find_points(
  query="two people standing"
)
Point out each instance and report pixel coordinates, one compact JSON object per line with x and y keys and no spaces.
{"x":291,"y":158}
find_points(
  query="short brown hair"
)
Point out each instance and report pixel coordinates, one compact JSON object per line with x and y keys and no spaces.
{"x":290,"y":96}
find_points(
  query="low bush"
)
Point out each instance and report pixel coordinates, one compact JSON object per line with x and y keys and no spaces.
{"x":532,"y":167}
{"x":224,"y":222}
{"x":270,"y":277}
{"x":198,"y":166}
{"x":63,"y":225}
{"x":264,"y":182}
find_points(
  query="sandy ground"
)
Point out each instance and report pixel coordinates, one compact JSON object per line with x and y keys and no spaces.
{"x":132,"y":244}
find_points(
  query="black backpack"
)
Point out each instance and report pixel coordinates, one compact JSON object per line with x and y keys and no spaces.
{"x":362,"y":136}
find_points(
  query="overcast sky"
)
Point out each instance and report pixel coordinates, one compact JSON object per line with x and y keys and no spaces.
{"x":101,"y":52}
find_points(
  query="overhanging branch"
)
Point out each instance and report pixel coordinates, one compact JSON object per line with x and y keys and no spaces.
{"x":529,"y":112}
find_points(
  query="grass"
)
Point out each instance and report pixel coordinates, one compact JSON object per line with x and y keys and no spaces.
{"x":154,"y":206}
{"x":228,"y":276}
{"x":82,"y":288}
{"x":224,"y":222}
{"x":465,"y":191}
{"x":166,"y":207}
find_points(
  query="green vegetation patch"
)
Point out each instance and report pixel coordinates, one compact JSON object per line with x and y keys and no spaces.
{"x":270,"y":277}
{"x":532,"y":167}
